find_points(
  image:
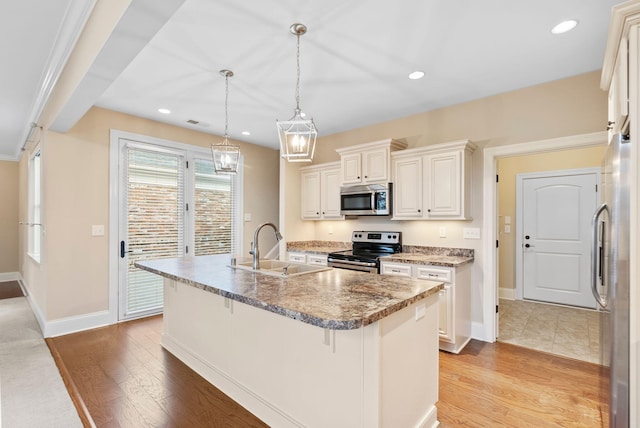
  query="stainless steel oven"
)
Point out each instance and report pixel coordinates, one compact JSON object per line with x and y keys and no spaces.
{"x":367,"y":248}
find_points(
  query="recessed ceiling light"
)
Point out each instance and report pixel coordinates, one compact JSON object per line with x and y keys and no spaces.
{"x":246,"y":133}
{"x":164,"y":110}
{"x":564,"y":26}
{"x":416,"y":75}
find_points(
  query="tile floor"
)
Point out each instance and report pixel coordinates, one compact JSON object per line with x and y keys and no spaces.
{"x":559,"y":330}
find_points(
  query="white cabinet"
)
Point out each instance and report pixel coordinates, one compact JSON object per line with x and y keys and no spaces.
{"x":297,"y":257}
{"x":454,"y":313}
{"x":433,"y":182}
{"x":618,"y":111}
{"x":320,"y":191}
{"x":317,"y":259}
{"x":368,"y":163}
{"x":407,"y":190}
{"x":310,"y":259}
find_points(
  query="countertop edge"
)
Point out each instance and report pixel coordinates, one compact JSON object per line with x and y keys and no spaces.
{"x":331,"y":324}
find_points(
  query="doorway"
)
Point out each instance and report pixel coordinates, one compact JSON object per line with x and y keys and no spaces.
{"x":165,"y":201}
{"x":492,"y":217}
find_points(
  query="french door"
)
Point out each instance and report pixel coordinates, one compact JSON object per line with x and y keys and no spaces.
{"x":170,"y":204}
{"x":152,"y":222}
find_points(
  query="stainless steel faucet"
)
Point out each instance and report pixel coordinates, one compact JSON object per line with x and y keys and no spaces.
{"x":255,"y":250}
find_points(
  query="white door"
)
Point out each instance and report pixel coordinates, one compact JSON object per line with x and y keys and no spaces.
{"x":152,"y":222}
{"x":555,"y":238}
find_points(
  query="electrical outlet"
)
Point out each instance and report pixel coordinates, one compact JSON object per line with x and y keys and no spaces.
{"x":443,"y":232}
{"x":471,"y":233}
{"x":97,"y":230}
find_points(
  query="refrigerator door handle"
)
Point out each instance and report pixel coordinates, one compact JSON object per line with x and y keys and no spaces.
{"x":597,"y":256}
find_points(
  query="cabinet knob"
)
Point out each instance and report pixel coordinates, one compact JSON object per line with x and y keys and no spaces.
{"x":429,"y":210}
{"x":317,"y":212}
{"x":322,"y":212}
{"x":358,"y":177}
{"x":366,"y":176}
{"x":419,"y":211}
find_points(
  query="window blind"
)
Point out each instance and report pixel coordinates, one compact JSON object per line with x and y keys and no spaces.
{"x":213,"y":210}
{"x":155,"y":222}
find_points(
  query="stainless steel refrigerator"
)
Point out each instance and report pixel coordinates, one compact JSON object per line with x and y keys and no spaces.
{"x":610,"y":279}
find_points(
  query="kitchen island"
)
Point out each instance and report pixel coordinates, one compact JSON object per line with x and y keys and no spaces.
{"x":334,"y":348}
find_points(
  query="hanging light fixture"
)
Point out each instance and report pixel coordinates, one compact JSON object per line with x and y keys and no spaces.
{"x":225,"y":155}
{"x":297,"y":135}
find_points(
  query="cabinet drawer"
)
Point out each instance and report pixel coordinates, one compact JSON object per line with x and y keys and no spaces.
{"x":433,"y":273}
{"x":297,"y":258}
{"x":313,"y":259}
{"x":396,"y":269}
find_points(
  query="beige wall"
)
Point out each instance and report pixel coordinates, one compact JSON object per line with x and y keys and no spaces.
{"x":508,"y":168}
{"x":9,"y":217}
{"x":76,"y":192}
{"x":561,"y":108}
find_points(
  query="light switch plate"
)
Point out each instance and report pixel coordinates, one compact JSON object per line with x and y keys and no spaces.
{"x":471,"y":233}
{"x":507,"y":219}
{"x":247,"y":216}
{"x":97,"y":230}
{"x":443,"y":232}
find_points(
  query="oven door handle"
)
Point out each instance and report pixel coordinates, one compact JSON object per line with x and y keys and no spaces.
{"x":351,"y":262}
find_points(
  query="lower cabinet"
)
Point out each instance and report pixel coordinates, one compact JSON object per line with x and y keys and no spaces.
{"x":310,"y":259}
{"x":454,"y":310}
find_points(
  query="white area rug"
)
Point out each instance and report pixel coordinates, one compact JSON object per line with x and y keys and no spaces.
{"x":32,"y":393}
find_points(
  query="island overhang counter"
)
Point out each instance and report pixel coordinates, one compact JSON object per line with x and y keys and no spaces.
{"x":332,"y":348}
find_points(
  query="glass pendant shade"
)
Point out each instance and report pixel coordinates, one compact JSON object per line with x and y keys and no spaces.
{"x":226,"y":156}
{"x":297,"y":135}
{"x":297,"y":138}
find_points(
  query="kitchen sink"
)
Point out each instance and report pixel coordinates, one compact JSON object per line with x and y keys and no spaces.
{"x":280,"y":268}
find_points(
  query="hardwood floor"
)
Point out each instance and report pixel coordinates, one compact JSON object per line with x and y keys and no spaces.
{"x":10,"y":289}
{"x":124,"y":378}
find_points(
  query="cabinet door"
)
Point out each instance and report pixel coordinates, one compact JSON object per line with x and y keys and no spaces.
{"x":351,"y":168}
{"x":375,"y":165}
{"x":330,"y":193}
{"x":444,"y":185}
{"x":619,"y":91}
{"x":445,"y":314}
{"x":310,"y":195}
{"x":407,"y":191}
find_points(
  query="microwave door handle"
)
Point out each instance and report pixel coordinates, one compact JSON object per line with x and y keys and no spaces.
{"x":374,"y":203}
{"x":597,"y":255}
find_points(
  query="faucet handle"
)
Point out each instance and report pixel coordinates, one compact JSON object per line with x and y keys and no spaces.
{"x":252,"y":249}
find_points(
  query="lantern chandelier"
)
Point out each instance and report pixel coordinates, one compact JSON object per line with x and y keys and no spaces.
{"x":297,"y":135}
{"x":225,"y":155}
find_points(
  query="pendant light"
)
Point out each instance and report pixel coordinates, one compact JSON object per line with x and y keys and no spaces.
{"x":225,"y":155}
{"x":297,"y":135}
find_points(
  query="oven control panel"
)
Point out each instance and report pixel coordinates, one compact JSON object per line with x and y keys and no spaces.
{"x":376,"y":237}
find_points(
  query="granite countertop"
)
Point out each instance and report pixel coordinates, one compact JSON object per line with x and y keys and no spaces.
{"x":337,"y":299}
{"x":317,"y":247}
{"x":428,"y":259}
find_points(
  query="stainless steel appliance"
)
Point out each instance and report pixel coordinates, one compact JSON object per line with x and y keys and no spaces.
{"x":369,"y":199}
{"x":610,"y":278}
{"x":367,"y":248}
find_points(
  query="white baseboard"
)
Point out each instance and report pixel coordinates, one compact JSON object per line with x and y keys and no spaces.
{"x":75,"y":324}
{"x":9,"y":276}
{"x":507,"y":293}
{"x":68,"y":325}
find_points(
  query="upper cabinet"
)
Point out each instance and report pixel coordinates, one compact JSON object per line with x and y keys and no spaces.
{"x":368,"y":163}
{"x":320,"y":191}
{"x":433,"y":182}
{"x":621,"y":64}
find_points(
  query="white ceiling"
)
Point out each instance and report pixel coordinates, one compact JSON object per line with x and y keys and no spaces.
{"x":355,"y":59}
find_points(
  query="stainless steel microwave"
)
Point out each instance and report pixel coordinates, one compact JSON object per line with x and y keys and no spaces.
{"x":369,"y":199}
